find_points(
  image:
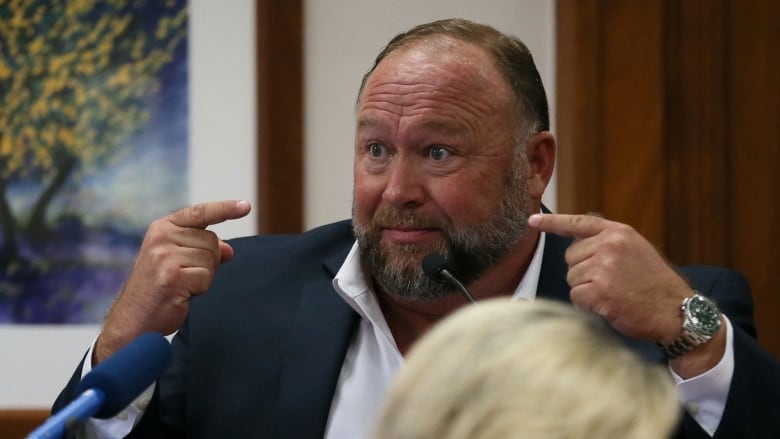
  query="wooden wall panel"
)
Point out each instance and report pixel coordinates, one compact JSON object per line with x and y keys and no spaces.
{"x":632,"y":116}
{"x":697,"y":113}
{"x":668,"y":118}
{"x":609,"y":119}
{"x":754,"y":136}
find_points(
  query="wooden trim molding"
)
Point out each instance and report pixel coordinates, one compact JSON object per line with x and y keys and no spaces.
{"x":609,"y":111}
{"x":18,"y":423}
{"x":279,"y":116}
{"x":577,"y":90}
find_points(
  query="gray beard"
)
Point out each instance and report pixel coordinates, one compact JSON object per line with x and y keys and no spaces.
{"x":469,"y":251}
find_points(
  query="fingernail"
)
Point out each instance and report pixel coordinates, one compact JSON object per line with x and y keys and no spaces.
{"x":534,"y":219}
{"x":242,"y":205}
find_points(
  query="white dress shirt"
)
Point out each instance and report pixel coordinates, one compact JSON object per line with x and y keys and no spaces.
{"x":373,"y":357}
{"x":373,"y":360}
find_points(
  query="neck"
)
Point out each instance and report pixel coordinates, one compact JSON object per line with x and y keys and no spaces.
{"x":409,"y":319}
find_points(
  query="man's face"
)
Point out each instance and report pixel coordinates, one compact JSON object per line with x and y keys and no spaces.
{"x":435,"y":167}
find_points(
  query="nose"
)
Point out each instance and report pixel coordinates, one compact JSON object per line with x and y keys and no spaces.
{"x":405,"y":184}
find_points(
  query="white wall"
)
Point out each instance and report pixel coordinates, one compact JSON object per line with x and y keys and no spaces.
{"x":341,"y":41}
{"x":342,"y":37}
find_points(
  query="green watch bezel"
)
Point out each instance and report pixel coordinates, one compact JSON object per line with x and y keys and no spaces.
{"x":701,"y":320}
{"x":702,"y":314}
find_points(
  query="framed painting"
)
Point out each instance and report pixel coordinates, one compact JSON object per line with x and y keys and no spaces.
{"x":219,"y":160}
{"x":93,"y":146}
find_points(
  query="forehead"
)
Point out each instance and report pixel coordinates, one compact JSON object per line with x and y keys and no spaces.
{"x":438,"y":67}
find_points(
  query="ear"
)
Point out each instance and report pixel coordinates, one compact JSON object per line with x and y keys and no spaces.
{"x":540,"y":154}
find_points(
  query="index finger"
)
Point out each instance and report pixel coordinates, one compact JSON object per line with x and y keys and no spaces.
{"x":205,"y":214}
{"x":575,"y":226}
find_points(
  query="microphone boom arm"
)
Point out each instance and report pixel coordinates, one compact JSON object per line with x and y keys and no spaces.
{"x":453,"y":280}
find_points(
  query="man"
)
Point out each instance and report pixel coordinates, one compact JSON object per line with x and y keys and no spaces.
{"x":299,"y":336}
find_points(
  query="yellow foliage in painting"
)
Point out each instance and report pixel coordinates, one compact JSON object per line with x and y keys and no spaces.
{"x":48,"y":136}
{"x":42,"y":156}
{"x":69,"y":111}
{"x":39,"y":108}
{"x":36,"y":45}
{"x":75,"y":76}
{"x":37,"y":18}
{"x":28,"y":134}
{"x":14,"y":161}
{"x":6,"y":146}
{"x":79,"y":95}
{"x":78,"y":7}
{"x":137,"y":51}
{"x":58,"y":62}
{"x":18,"y":20}
{"x":162,"y":28}
{"x":119,"y":24}
{"x":52,"y":85}
{"x":105,"y":46}
{"x":66,"y":138}
{"x":85,"y":68}
{"x":5,"y":72}
{"x":120,"y":78}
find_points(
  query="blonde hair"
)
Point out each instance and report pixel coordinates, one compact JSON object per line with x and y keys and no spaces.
{"x":514,"y":369}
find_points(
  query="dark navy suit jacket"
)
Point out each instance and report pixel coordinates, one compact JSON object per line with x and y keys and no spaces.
{"x":260,"y":354}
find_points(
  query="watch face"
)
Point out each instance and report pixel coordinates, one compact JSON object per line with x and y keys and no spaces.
{"x":704,"y":315}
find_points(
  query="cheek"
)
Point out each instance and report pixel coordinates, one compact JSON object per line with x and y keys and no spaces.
{"x":367,"y":195}
{"x":470,"y":201}
{"x":464,"y":203}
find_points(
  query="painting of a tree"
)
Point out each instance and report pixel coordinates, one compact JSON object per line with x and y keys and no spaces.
{"x":77,"y":78}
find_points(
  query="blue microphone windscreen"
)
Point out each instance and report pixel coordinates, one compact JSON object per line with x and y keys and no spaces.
{"x":127,"y":373}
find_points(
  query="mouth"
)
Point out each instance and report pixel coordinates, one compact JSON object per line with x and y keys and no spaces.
{"x":407,"y":235}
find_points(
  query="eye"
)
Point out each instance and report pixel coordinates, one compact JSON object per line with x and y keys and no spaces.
{"x":377,"y":150}
{"x":438,"y":152}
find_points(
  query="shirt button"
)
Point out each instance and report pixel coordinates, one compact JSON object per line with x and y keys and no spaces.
{"x":122,"y":416}
{"x":692,"y":408}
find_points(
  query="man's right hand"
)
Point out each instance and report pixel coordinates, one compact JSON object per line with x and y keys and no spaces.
{"x":177,"y":260}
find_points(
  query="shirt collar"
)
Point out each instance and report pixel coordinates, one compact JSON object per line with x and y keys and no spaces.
{"x":351,"y":284}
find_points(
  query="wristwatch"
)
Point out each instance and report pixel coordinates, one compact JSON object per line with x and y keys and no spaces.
{"x":701,"y":320}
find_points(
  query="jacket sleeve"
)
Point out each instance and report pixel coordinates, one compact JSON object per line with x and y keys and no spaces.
{"x":751,"y":407}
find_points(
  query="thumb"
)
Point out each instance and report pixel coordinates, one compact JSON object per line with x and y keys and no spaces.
{"x":225,"y":251}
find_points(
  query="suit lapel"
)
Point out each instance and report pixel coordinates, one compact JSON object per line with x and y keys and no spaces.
{"x":552,"y":277}
{"x":312,"y":359}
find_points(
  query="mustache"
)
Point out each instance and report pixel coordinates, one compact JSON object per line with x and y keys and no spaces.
{"x":390,"y":217}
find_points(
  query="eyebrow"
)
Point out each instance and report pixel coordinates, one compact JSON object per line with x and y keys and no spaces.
{"x":367,"y":122}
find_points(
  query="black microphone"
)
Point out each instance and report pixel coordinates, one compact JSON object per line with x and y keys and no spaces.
{"x":112,"y":385}
{"x":435,"y":267}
